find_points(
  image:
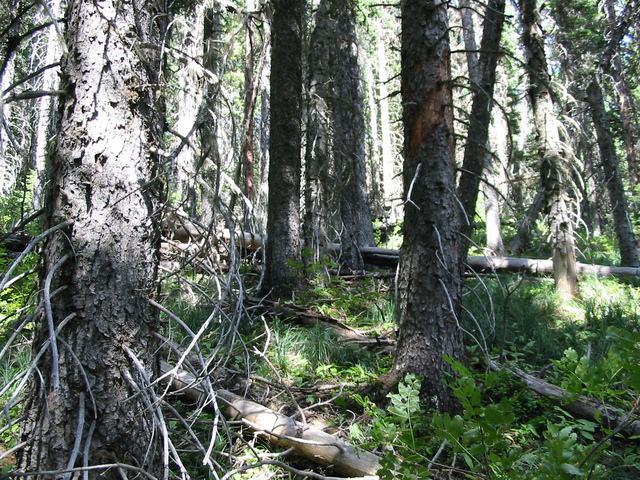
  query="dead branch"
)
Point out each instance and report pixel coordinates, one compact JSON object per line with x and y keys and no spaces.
{"x":579,"y":406}
{"x":312,"y":443}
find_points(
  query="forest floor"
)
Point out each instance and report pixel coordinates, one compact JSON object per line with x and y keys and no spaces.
{"x":316,"y":359}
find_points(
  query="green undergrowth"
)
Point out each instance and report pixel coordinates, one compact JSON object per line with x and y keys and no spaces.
{"x":504,"y":432}
{"x":364,"y":303}
{"x":588,"y":346}
{"x":526,"y":321}
{"x":305,"y":356}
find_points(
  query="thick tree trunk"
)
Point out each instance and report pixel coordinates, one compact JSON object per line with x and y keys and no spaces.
{"x":89,"y":403}
{"x":283,"y":274}
{"x":336,"y":137}
{"x":349,"y":126}
{"x":627,"y":242}
{"x":430,"y":280}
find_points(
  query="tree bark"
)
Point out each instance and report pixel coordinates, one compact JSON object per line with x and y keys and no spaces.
{"x":627,"y":242}
{"x":612,"y":65}
{"x":89,"y":404}
{"x":430,"y":279}
{"x":250,"y":97}
{"x":209,"y":164}
{"x":495,"y":264}
{"x":283,"y":273}
{"x":336,"y":136}
{"x":48,"y":106}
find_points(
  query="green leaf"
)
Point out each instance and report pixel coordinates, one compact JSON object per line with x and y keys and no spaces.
{"x":571,"y":469}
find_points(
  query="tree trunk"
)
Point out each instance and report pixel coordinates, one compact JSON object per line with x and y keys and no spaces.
{"x":250,"y":97}
{"x":320,"y":175}
{"x":189,"y":98}
{"x":390,"y":185}
{"x":47,"y":108}
{"x":283,"y":274}
{"x":209,"y":164}
{"x":489,"y":264}
{"x":9,"y":163}
{"x":336,"y":176}
{"x":494,"y":244}
{"x":555,"y":176}
{"x":90,"y":403}
{"x":430,"y":280}
{"x":619,"y":25}
{"x":578,"y":406}
{"x":627,"y":242}
{"x":477,"y":156}
{"x":350,"y":131}
{"x":467,"y":13}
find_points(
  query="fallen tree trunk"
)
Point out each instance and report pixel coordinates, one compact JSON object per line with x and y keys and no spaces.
{"x":383,"y":257}
{"x":543,"y":267}
{"x":484,"y":264}
{"x":579,"y":406}
{"x":310,"y":442}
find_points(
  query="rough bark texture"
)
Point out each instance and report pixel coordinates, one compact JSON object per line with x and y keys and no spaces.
{"x":476,"y":153}
{"x":430,"y":265}
{"x":282,"y":273}
{"x":101,"y":178}
{"x":554,"y":172}
{"x":627,"y":242}
{"x":336,"y":176}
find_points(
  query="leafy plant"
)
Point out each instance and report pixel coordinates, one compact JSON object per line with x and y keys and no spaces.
{"x":399,"y":430}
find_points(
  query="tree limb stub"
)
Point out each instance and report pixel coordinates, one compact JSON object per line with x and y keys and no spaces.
{"x":312,"y":443}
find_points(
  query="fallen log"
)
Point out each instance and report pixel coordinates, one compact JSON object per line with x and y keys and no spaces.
{"x":484,"y":264}
{"x":543,"y":267}
{"x":578,"y":406}
{"x":310,"y":442}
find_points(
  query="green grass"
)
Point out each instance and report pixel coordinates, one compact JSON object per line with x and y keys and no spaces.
{"x":534,"y":325}
{"x":304,"y":355}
